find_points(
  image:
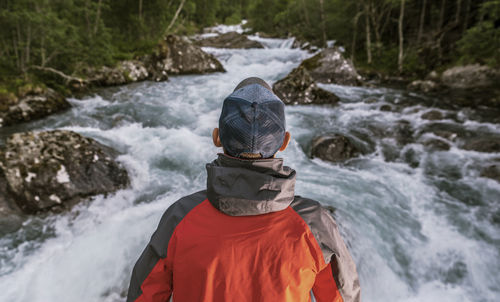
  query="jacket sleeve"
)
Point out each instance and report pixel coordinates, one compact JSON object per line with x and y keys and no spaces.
{"x":339,"y":280}
{"x":152,"y":276}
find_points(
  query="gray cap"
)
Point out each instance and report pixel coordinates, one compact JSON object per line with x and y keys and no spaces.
{"x":252,"y":120}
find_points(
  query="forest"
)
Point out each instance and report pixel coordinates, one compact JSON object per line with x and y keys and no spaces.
{"x":401,"y":37}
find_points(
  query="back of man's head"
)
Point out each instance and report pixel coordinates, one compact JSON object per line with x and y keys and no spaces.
{"x":252,"y":121}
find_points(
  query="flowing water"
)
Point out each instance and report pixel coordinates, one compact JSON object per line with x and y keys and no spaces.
{"x":422,"y":225}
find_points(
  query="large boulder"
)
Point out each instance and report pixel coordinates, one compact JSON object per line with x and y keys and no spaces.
{"x":125,"y":72}
{"x":492,"y":171}
{"x":229,"y":40}
{"x":330,"y":66}
{"x":178,"y":55}
{"x":471,"y":76}
{"x":298,"y":87}
{"x":53,"y":169}
{"x":30,"y":104}
{"x":333,"y":148}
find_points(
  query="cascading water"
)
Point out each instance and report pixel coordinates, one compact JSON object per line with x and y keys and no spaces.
{"x":421,"y":225}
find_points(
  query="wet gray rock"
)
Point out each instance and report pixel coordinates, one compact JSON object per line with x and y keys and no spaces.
{"x":436,"y":145}
{"x":11,"y":217}
{"x":330,"y":66}
{"x":483,"y":144}
{"x":178,"y":55}
{"x":125,"y":72}
{"x":471,"y":76}
{"x":492,"y":172}
{"x":333,"y":148}
{"x":432,"y":115}
{"x":31,"y":104}
{"x":423,"y":86}
{"x":229,"y":40}
{"x":45,"y":170}
{"x":403,"y":132}
{"x":298,"y":88}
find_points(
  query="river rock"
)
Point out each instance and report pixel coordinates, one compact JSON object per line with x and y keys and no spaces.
{"x":492,"y":172}
{"x":432,"y":115}
{"x":31,"y":103}
{"x":298,"y":87}
{"x":229,"y":40}
{"x":483,"y":144}
{"x":178,"y":55}
{"x":330,"y":66}
{"x":436,"y":144}
{"x":125,"y":72}
{"x":423,"y":86}
{"x":333,"y":148}
{"x":58,"y":168}
{"x":471,"y":76}
{"x":11,"y":217}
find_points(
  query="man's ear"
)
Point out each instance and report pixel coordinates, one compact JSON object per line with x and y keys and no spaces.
{"x":286,"y":141}
{"x":216,"y":138}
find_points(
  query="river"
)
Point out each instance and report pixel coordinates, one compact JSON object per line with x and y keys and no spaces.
{"x":421,"y":223}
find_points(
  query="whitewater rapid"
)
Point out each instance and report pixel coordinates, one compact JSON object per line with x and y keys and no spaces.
{"x":426,"y":233}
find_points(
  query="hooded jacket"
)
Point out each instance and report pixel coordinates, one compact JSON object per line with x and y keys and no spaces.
{"x":246,"y":238}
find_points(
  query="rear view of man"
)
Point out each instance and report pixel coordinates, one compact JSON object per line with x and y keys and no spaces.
{"x":247,"y":237}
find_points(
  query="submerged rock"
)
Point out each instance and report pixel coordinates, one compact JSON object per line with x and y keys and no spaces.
{"x":330,"y":66}
{"x":178,"y":55}
{"x":125,"y":72}
{"x":483,"y":144}
{"x":31,"y":104}
{"x":334,"y":148}
{"x":423,"y":86}
{"x":298,"y":87}
{"x":471,"y":76}
{"x":58,"y":168}
{"x":492,"y":172}
{"x":229,"y":40}
{"x":432,"y":115}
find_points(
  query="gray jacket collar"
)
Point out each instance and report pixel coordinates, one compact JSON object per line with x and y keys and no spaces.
{"x":239,"y":187}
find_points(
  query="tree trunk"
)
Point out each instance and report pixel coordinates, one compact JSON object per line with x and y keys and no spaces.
{"x":355,"y":33}
{"x":368,"y":35}
{"x":466,"y":18}
{"x":422,"y":20}
{"x":441,"y":15}
{"x":28,"y":44}
{"x":306,"y":13}
{"x":458,"y":11}
{"x":400,"y":30}
{"x":97,"y":17}
{"x":140,"y":10}
{"x":174,"y":18}
{"x":322,"y":15}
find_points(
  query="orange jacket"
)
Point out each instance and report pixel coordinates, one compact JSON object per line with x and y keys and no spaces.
{"x":246,"y":238}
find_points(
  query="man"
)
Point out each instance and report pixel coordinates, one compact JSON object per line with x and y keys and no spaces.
{"x":246,"y":237}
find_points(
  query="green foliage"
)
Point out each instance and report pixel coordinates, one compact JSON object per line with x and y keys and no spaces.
{"x":481,"y":43}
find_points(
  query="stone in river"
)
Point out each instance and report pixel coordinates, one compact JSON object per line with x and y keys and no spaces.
{"x":298,"y":88}
{"x":125,"y":72}
{"x":54,"y":169}
{"x":330,"y":66}
{"x":333,"y":148}
{"x":492,"y":172}
{"x":229,"y":40}
{"x":437,"y":144}
{"x":11,"y":217}
{"x":178,"y":55}
{"x":471,"y":76}
{"x":483,"y":144}
{"x":432,"y":115}
{"x":30,"y":104}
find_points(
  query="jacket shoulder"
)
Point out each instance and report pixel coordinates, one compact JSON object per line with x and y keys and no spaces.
{"x":171,"y":218}
{"x":320,"y":222}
